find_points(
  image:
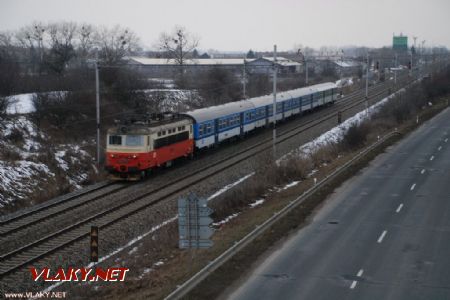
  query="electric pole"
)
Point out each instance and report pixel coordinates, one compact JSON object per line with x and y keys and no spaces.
{"x":367,"y":84}
{"x":395,"y":71}
{"x":274,"y":102}
{"x":244,"y":79}
{"x":306,"y":66}
{"x":97,"y":103}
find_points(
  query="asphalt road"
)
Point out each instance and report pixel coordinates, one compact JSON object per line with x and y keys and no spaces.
{"x":385,"y":234}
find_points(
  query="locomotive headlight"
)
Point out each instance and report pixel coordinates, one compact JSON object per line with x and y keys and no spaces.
{"x":112,"y":155}
{"x":134,"y":156}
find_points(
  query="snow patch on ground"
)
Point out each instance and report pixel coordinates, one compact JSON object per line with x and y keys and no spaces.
{"x":335,"y":134}
{"x":256,"y":203}
{"x":226,"y":220}
{"x":17,"y":179}
{"x":229,"y":186}
{"x":159,"y":263}
{"x":23,"y":103}
{"x":174,"y":100}
{"x":289,"y":185}
{"x":145,"y":271}
{"x":133,"y":250}
{"x":344,"y":82}
{"x":26,"y":167}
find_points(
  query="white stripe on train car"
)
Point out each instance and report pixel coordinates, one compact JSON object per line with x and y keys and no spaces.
{"x":229,"y":134}
{"x":205,"y":142}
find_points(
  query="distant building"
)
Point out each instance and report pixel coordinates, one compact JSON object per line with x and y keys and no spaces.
{"x":162,"y":67}
{"x":341,"y":66}
{"x":264,"y":65}
{"x":400,"y":43}
{"x":346,"y":67}
{"x":204,"y":55}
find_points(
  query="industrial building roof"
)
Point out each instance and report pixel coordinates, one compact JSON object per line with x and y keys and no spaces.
{"x":200,"y":61}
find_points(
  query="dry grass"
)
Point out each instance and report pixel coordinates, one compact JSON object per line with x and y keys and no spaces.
{"x":325,"y":155}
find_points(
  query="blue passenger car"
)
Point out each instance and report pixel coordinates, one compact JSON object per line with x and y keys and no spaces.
{"x":218,"y":123}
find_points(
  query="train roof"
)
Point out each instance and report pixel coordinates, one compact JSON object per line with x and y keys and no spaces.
{"x":149,"y":126}
{"x":282,"y":96}
{"x":214,"y":112}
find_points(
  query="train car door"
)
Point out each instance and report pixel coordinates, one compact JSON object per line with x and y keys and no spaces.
{"x":216,"y":131}
{"x":242,"y":123}
{"x":267,"y":115}
{"x":300,"y":106}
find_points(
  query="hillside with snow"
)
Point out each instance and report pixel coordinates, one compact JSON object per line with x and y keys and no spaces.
{"x":32,"y":169}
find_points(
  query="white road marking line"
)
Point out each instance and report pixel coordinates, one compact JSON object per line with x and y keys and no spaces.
{"x":354,"y":281}
{"x":432,"y":157}
{"x":423,"y":171}
{"x":446,"y":140}
{"x":440,"y":147}
{"x":399,"y":208}
{"x":380,"y":239}
{"x":413,"y":186}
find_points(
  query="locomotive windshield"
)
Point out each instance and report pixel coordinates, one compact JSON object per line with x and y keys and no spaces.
{"x":115,"y":140}
{"x":134,"y":140}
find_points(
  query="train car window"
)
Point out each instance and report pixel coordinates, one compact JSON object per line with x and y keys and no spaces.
{"x":115,"y":140}
{"x":278,"y":107}
{"x":159,"y":133}
{"x":262,"y":112}
{"x":134,"y":140}
{"x":171,"y":139}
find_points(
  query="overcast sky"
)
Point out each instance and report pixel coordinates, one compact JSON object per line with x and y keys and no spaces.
{"x":257,"y":24}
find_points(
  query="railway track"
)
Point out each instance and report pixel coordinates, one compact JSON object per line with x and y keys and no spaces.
{"x":36,"y":214}
{"x":16,"y":222}
{"x":21,"y":257}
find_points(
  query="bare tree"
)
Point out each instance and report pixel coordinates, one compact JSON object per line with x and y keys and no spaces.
{"x":115,"y":43}
{"x":61,"y":45}
{"x":6,"y":43}
{"x":178,"y":44}
{"x":33,"y":37}
{"x":85,"y":38}
{"x":9,"y":67}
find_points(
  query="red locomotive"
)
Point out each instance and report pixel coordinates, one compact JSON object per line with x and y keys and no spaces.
{"x":136,"y":147}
